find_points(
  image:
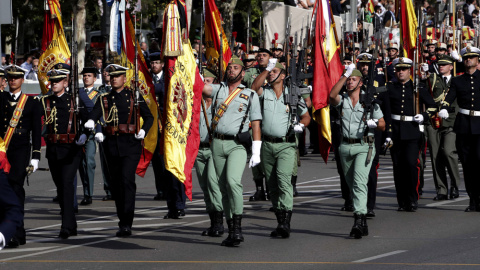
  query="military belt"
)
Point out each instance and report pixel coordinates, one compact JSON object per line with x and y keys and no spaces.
{"x":469,"y":112}
{"x":204,"y":145}
{"x":120,"y":129}
{"x":61,"y":138}
{"x":352,"y":141}
{"x":271,"y":139}
{"x":402,"y":118}
{"x":224,"y":137}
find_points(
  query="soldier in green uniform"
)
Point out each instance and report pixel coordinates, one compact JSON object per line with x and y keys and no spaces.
{"x":441,"y":137}
{"x":234,"y":107}
{"x":279,"y":126}
{"x":356,"y":149}
{"x":263,"y":56}
{"x":207,"y":177}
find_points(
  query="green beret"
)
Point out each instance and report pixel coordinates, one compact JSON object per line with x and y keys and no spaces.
{"x":208,"y":73}
{"x":356,"y":73}
{"x":280,"y":66}
{"x":236,"y":60}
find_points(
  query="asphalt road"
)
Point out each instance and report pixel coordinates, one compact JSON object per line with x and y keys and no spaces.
{"x":440,"y":235}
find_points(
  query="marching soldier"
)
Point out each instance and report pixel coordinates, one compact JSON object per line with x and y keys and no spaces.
{"x":22,"y":119}
{"x":392,"y":52}
{"x":206,"y":174}
{"x":88,"y":95}
{"x":406,"y":134}
{"x":10,"y":208}
{"x":157,"y":159}
{"x":235,"y":106}
{"x":465,"y":89}
{"x":64,"y":145}
{"x":277,"y":51}
{"x":123,"y":146}
{"x":383,"y":101}
{"x":249,"y":61}
{"x":105,"y":88}
{"x":356,"y":149}
{"x":440,"y":134}
{"x":279,"y":149}
{"x":251,"y":74}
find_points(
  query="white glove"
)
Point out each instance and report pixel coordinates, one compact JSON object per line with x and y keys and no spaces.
{"x":455,"y":55}
{"x":140,"y":135}
{"x":418,"y":118}
{"x":34,"y":163}
{"x":99,"y":137}
{"x":372,"y":123}
{"x":348,"y":70}
{"x":298,"y":128}
{"x":388,"y":141}
{"x":271,"y":64}
{"x":443,"y":114}
{"x":81,"y":140}
{"x":255,"y":159}
{"x":90,"y":125}
{"x":425,"y":67}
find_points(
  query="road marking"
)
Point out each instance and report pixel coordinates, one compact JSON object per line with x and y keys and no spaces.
{"x":16,"y":250}
{"x":379,"y":256}
{"x":462,"y":198}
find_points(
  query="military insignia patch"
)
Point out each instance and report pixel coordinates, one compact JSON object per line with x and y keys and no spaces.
{"x":400,"y":60}
{"x":246,"y":97}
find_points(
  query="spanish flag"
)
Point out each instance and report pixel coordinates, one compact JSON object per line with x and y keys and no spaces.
{"x":409,"y":25}
{"x":213,"y":29}
{"x":184,"y":86}
{"x":54,"y":44}
{"x":468,"y":33}
{"x":327,"y":70}
{"x":370,"y":6}
{"x":125,"y":40}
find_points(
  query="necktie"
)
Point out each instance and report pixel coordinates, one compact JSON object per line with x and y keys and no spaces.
{"x":445,"y":80}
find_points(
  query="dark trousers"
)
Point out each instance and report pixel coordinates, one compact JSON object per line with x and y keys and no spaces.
{"x":63,"y":173}
{"x":468,"y":147}
{"x":10,"y":209}
{"x":175,"y":192}
{"x":158,"y":165}
{"x":406,"y":170}
{"x":122,"y":186}
{"x":19,"y":158}
{"x":105,"y":169}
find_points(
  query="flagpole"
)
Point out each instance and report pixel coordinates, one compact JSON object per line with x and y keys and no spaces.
{"x":200,"y":53}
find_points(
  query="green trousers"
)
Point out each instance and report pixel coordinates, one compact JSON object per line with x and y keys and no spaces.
{"x":87,"y":167}
{"x":441,"y":143}
{"x":278,"y":162}
{"x":208,"y":180}
{"x":352,"y":158}
{"x":229,"y":158}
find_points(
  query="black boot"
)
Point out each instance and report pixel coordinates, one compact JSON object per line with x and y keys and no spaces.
{"x":294,"y":184}
{"x":228,"y":241}
{"x":208,"y":231}
{"x":217,"y":229}
{"x":281,"y":224}
{"x":364,"y":225}
{"x":260,"y":193}
{"x":237,"y":227}
{"x":357,"y":229}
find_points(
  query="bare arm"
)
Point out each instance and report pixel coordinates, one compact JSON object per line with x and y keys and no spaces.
{"x":334,"y":94}
{"x":305,"y":119}
{"x":257,"y":133}
{"x":381,"y":124}
{"x":207,"y":91}
{"x":259,"y":81}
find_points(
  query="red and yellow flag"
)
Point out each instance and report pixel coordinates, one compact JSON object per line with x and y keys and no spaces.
{"x":213,"y":29}
{"x":3,"y":157}
{"x":370,"y":6}
{"x":409,"y":25}
{"x":181,"y":136}
{"x":327,"y":70}
{"x":54,"y":44}
{"x":468,"y":33}
{"x":145,"y":87}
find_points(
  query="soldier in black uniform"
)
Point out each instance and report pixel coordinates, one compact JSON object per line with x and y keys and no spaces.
{"x":392,"y":51}
{"x":466,"y":90}
{"x":382,"y":99}
{"x":19,"y":148}
{"x":64,"y":145}
{"x":123,"y":142}
{"x":406,"y":133}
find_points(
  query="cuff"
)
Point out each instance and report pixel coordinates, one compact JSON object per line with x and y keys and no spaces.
{"x":2,"y":241}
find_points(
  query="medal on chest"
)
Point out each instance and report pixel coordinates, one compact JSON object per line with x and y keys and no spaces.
{"x":287,"y":110}
{"x":240,"y":109}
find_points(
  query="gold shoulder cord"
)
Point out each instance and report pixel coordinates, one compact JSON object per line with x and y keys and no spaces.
{"x":52,"y":118}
